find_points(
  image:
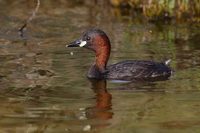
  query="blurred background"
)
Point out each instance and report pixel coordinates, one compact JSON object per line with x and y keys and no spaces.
{"x":43,"y":84}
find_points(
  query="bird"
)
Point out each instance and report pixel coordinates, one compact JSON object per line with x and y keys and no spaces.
{"x":97,"y":41}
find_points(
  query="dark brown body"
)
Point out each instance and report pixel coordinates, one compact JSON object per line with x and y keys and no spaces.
{"x":133,"y":70}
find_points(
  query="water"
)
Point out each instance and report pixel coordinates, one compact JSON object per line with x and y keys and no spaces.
{"x":43,"y":87}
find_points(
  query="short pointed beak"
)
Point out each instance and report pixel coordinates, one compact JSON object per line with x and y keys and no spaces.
{"x":74,"y":44}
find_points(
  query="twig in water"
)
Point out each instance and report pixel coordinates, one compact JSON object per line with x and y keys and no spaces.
{"x":21,"y":29}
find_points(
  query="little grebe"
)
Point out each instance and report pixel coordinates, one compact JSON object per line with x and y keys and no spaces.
{"x":97,"y":41}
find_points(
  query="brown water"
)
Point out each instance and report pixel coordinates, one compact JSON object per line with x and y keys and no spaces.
{"x":43,"y":87}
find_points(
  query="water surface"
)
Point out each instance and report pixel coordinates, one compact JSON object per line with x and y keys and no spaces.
{"x":43,"y":87}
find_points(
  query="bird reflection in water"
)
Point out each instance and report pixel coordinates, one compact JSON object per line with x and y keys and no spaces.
{"x":102,"y":108}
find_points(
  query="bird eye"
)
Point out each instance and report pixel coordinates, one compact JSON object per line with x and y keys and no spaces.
{"x":88,"y":38}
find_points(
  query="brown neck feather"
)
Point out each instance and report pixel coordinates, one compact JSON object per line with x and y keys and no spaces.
{"x":102,"y":56}
{"x":102,"y":50}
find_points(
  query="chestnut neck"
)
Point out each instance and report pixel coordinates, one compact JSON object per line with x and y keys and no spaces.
{"x":102,"y":56}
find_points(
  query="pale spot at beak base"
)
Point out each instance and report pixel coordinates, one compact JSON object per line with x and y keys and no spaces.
{"x":83,"y":43}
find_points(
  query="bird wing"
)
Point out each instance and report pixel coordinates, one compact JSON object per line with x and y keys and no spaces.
{"x":135,"y":70}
